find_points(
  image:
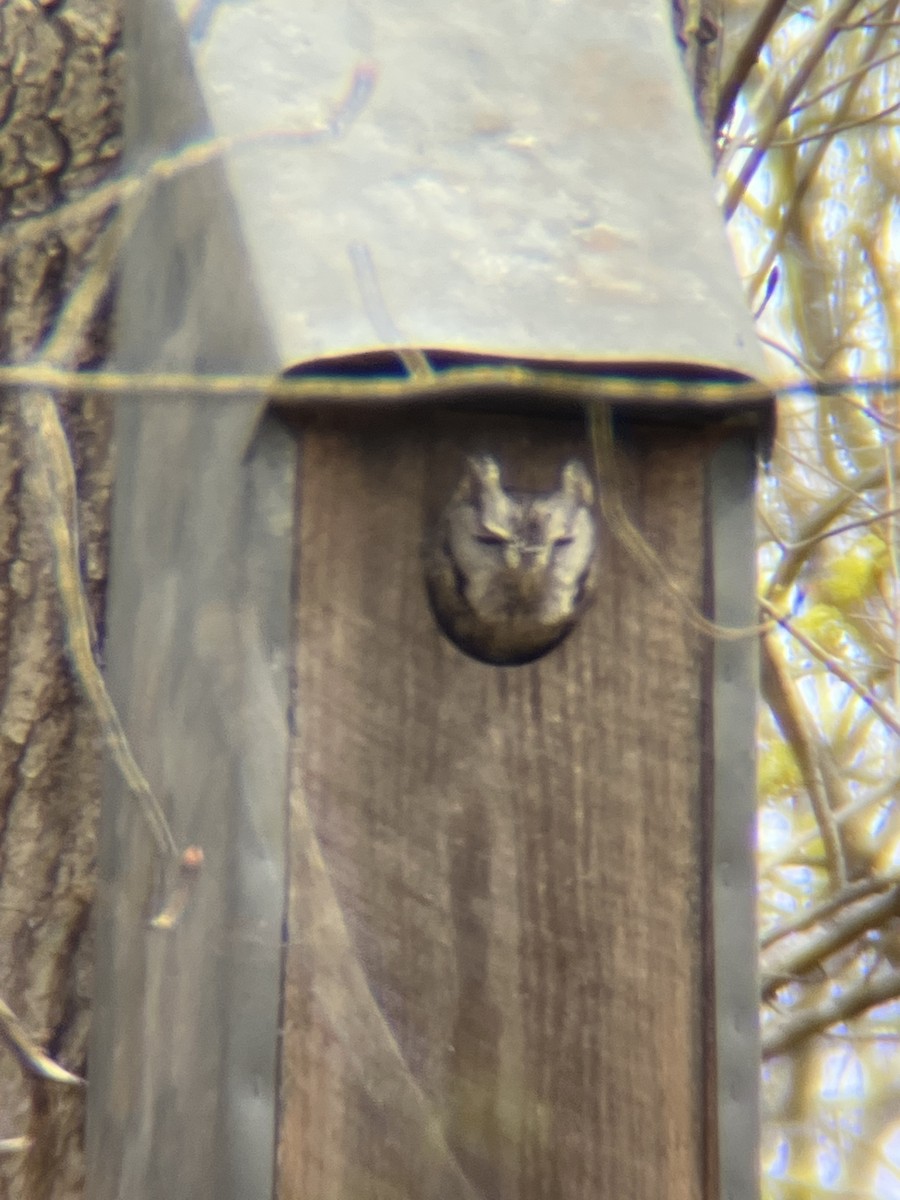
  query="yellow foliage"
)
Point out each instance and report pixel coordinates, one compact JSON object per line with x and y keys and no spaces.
{"x":827,"y":625}
{"x":849,"y":578}
{"x":777,"y":770}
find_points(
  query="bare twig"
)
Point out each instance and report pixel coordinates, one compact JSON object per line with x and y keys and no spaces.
{"x":835,"y":667}
{"x":798,"y":80}
{"x":817,"y":525}
{"x":334,"y":392}
{"x":790,"y":715}
{"x":818,"y":379}
{"x":887,"y":791}
{"x":102,"y":199}
{"x":746,"y":59}
{"x":53,"y":480}
{"x":798,"y":960}
{"x":29,"y":1054}
{"x":807,"y":917}
{"x":835,"y":128}
{"x":15,"y":1145}
{"x":188,"y":871}
{"x":630,"y":538}
{"x":811,"y":167}
{"x":862,"y":523}
{"x":785,"y":1035}
{"x":857,"y":75}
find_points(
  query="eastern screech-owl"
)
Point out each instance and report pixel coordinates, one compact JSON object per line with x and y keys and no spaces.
{"x":509,"y":573}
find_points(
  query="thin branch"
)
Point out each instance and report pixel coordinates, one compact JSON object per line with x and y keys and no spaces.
{"x":857,"y":75}
{"x":630,"y":538}
{"x":813,"y":951}
{"x":822,"y":473}
{"x":831,"y":130}
{"x":817,"y":524}
{"x":862,"y":523}
{"x":801,"y":1026}
{"x":795,"y":85}
{"x":869,"y":20}
{"x":188,"y":872}
{"x":893,"y":23}
{"x":746,"y":60}
{"x":835,"y":668}
{"x":782,"y":698}
{"x":811,"y":167}
{"x":807,"y":917}
{"x":28,"y":1052}
{"x":53,"y":479}
{"x":15,"y":1145}
{"x":311,"y":392}
{"x":337,"y":121}
{"x":887,"y":791}
{"x":812,"y":374}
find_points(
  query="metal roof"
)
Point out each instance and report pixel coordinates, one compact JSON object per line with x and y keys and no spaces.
{"x":520,"y":179}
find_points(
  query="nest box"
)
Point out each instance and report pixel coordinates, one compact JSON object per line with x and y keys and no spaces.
{"x":465,"y":928}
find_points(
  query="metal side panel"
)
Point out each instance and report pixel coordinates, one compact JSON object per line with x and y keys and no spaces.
{"x":732,"y":476}
{"x":183,"y":1055}
{"x":185,"y":1031}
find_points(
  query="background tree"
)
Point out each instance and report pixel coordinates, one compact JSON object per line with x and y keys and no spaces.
{"x":60,"y":80}
{"x":807,"y":162}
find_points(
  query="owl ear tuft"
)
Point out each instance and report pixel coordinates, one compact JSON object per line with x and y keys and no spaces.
{"x":482,"y":475}
{"x":484,"y":470}
{"x":576,"y":483}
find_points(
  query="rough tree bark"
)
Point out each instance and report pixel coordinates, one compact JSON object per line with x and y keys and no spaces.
{"x":60,"y":121}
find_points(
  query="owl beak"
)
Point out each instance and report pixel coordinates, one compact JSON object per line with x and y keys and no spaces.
{"x":530,"y":558}
{"x":530,"y":566}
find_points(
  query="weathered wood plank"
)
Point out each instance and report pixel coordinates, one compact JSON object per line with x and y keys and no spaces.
{"x":495,"y":980}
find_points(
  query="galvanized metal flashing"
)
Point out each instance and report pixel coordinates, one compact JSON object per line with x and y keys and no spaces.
{"x":183,"y":1056}
{"x":525,"y":180}
{"x":731,"y":475}
{"x":184,"y":1043}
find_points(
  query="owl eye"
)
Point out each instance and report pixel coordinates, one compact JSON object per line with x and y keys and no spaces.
{"x":565,"y":540}
{"x":490,"y":539}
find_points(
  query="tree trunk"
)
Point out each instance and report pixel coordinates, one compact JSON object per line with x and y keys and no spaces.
{"x":60,"y":69}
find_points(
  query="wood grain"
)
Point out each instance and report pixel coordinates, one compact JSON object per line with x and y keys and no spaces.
{"x":495,"y":976}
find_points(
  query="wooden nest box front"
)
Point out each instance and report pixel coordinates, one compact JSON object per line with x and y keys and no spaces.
{"x":419,"y":654}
